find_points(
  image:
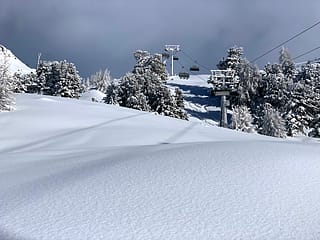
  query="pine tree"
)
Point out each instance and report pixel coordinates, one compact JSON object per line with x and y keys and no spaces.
{"x":294,"y":94}
{"x":303,"y":105}
{"x":273,"y":124}
{"x":130,"y":92}
{"x":249,"y":83}
{"x":179,"y":98}
{"x":43,"y":73}
{"x":138,"y":102}
{"x":111,"y":94}
{"x":144,"y":88}
{"x":179,"y":110}
{"x":7,"y":99}
{"x":233,"y":59}
{"x":144,"y":61}
{"x":242,"y":119}
{"x":59,"y":79}
{"x":315,"y":127}
{"x":277,"y":88}
{"x":25,"y":83}
{"x":287,"y":65}
{"x":101,"y":80}
{"x":248,"y":75}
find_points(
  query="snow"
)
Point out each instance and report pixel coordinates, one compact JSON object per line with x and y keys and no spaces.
{"x":93,"y":95}
{"x":199,"y":103}
{"x":15,"y":64}
{"x":74,"y":169}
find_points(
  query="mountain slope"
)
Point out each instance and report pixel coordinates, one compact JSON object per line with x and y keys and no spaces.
{"x":15,"y":65}
{"x":73,"y":169}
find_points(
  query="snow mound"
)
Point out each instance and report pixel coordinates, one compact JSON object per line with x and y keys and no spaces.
{"x":93,"y":95}
{"x":15,"y":64}
{"x":75,"y":169}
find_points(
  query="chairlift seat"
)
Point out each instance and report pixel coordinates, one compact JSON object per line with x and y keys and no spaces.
{"x":165,"y":55}
{"x":184,"y":75}
{"x":194,"y":68}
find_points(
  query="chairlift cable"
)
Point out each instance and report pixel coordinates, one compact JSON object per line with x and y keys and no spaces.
{"x":194,"y":61}
{"x":205,"y":80}
{"x":306,"y":53}
{"x":284,"y":42}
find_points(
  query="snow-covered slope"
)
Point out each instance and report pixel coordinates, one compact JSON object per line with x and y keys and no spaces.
{"x":74,"y":169}
{"x":15,"y":65}
{"x":199,"y":103}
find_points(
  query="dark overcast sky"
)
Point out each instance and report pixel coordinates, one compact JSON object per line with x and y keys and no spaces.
{"x":95,"y":34}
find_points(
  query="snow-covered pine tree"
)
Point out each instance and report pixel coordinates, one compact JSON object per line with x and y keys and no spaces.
{"x":70,"y":81}
{"x":249,"y":84}
{"x":49,"y":77}
{"x":85,"y":84}
{"x":59,"y":79}
{"x":101,"y":80}
{"x":249,"y":78}
{"x":272,"y":124}
{"x":287,"y":65}
{"x":156,"y":92}
{"x":145,"y":88}
{"x":180,"y":111}
{"x":144,"y":60}
{"x":276,"y":88}
{"x":315,"y":127}
{"x":43,"y":73}
{"x":304,"y":104}
{"x":242,"y":119}
{"x":160,"y":98}
{"x":294,"y":93}
{"x":112,"y":94}
{"x":298,"y":114}
{"x":233,"y":59}
{"x":25,"y":83}
{"x":130,"y":92}
{"x":138,"y":102}
{"x":310,"y":75}
{"x":7,"y":99}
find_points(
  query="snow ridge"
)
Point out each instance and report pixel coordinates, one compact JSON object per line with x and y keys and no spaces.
{"x":15,"y":64}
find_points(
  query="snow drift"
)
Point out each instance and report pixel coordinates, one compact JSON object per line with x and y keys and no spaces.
{"x":74,"y":169}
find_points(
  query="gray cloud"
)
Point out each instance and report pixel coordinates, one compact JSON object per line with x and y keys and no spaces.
{"x":96,"y":34}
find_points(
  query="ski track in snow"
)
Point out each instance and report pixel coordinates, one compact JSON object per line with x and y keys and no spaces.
{"x":80,"y":170}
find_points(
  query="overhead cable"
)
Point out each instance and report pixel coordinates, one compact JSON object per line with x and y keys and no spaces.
{"x":284,"y":42}
{"x":306,"y":53}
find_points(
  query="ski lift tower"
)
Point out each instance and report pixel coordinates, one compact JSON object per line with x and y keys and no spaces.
{"x":224,"y":83}
{"x":38,"y":59}
{"x":172,"y":49}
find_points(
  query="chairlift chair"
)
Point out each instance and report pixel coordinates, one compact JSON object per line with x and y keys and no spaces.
{"x":184,"y":75}
{"x":165,"y":55}
{"x":194,"y":68}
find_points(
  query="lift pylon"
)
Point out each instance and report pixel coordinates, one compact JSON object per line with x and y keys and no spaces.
{"x":172,"y":49}
{"x":224,"y":83}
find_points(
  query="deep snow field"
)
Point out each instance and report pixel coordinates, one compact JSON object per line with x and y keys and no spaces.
{"x":75,"y":169}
